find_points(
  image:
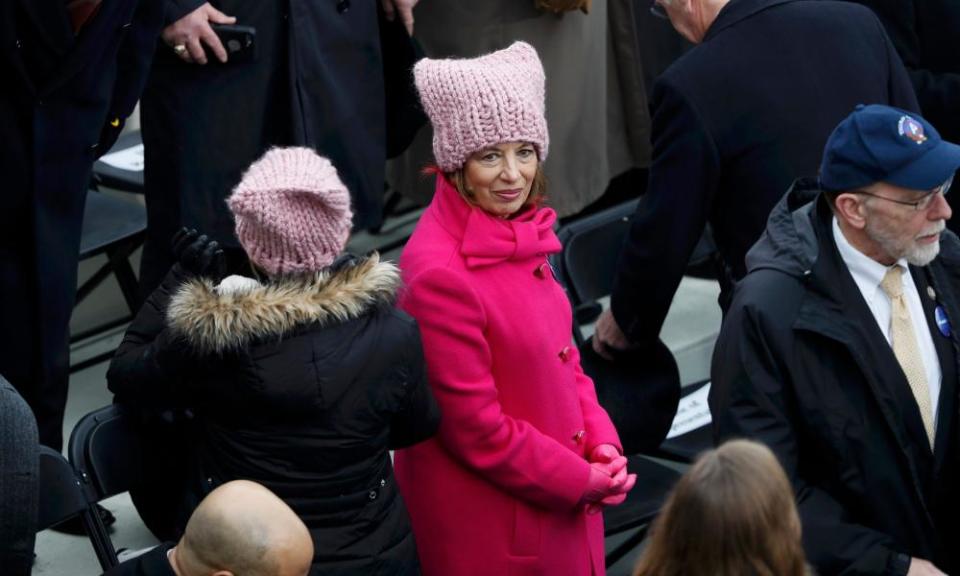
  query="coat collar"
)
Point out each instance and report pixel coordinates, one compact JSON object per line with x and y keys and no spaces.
{"x":486,"y":240}
{"x":215,"y":320}
{"x":738,"y":10}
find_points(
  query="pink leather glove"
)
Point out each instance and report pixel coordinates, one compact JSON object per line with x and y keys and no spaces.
{"x":603,"y":453}
{"x":615,"y":468}
{"x":602,"y":487}
{"x":598,"y":485}
{"x":619,"y":498}
{"x":608,"y":458}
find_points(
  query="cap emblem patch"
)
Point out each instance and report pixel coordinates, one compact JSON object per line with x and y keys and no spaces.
{"x":912,"y":129}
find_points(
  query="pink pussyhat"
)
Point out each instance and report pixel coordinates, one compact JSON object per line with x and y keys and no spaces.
{"x":478,"y":102}
{"x":292,"y":212}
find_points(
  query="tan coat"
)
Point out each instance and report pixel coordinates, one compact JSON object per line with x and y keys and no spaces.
{"x":596,"y":100}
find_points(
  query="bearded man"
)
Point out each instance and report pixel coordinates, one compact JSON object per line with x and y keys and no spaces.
{"x":838,"y":351}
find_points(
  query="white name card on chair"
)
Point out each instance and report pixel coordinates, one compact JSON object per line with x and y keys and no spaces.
{"x":693,"y":412}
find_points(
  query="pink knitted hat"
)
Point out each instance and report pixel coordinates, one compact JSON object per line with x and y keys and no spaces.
{"x":292,"y":211}
{"x":483,"y":101}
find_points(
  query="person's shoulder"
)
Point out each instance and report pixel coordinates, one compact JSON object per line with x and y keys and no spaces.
{"x":438,"y":276}
{"x":430,"y":246}
{"x":829,"y":15}
{"x":835,"y":7}
{"x":768,"y":293}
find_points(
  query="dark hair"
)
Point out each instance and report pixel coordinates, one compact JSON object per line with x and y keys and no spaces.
{"x":731,"y":514}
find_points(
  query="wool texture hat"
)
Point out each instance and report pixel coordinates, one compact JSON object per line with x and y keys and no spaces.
{"x":292,"y":212}
{"x":879,"y":143}
{"x":478,"y":102}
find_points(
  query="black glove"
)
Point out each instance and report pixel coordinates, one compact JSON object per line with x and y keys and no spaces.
{"x":199,"y":255}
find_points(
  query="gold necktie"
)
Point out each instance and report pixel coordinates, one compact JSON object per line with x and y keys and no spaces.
{"x":905,"y":346}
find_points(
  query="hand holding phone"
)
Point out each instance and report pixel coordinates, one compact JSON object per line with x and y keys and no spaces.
{"x":240,"y":42}
{"x":189,"y":35}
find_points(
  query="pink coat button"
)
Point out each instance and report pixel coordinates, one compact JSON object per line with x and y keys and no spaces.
{"x":565,"y":354}
{"x":541,"y":271}
{"x":578,"y":437}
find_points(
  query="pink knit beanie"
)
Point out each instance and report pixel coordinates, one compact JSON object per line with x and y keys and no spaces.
{"x":292,"y":212}
{"x":483,"y":101}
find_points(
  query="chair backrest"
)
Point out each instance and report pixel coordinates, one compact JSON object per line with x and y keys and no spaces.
{"x":105,"y":451}
{"x":61,"y":495}
{"x":591,"y":248}
{"x":62,"y":498}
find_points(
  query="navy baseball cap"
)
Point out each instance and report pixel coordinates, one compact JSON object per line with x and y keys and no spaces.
{"x":884,"y":144}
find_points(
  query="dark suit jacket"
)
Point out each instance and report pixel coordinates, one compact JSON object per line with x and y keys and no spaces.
{"x":735,"y":121}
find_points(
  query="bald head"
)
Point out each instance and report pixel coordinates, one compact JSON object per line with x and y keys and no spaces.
{"x":243,"y":529}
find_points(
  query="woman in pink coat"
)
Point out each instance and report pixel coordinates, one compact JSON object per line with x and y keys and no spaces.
{"x":525,"y":457}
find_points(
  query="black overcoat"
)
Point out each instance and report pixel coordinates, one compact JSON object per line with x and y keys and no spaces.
{"x":802,"y":366}
{"x":317,"y":81}
{"x":926,"y":34}
{"x":64,"y":101}
{"x":736,"y":120}
{"x":302,"y":385}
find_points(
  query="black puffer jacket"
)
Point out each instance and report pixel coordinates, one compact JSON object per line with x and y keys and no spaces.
{"x":301,"y":385}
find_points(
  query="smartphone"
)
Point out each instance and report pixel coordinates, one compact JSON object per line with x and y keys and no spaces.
{"x":240,"y":42}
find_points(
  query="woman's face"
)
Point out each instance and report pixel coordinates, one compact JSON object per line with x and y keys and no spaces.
{"x":498,"y":178}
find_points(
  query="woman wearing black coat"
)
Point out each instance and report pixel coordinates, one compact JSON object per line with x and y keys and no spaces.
{"x":302,"y":381}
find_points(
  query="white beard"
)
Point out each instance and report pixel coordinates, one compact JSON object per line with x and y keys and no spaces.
{"x":909,"y":249}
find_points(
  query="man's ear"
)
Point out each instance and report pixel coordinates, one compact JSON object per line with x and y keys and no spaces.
{"x":850,"y":207}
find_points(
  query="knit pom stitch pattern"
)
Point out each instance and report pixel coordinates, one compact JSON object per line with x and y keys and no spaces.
{"x":292,"y":212}
{"x":479,"y":102}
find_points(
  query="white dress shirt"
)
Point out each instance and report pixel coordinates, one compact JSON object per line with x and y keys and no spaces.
{"x":868,"y":273}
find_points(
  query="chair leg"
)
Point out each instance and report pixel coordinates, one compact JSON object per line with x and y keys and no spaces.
{"x":120,"y":262}
{"x":99,"y":538}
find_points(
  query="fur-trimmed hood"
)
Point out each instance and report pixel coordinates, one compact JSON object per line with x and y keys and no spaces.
{"x":213,"y":319}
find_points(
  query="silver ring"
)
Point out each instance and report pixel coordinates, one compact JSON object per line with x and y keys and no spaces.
{"x":180,"y":49}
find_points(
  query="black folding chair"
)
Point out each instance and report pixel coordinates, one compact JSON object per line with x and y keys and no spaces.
{"x":591,"y":250}
{"x":63,"y":498}
{"x":586,"y":265}
{"x":114,"y":227}
{"x":104,"y":449}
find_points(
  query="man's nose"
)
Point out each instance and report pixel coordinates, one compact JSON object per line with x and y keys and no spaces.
{"x":941,"y":208}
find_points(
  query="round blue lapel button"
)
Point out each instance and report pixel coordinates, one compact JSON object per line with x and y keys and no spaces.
{"x":943,"y":323}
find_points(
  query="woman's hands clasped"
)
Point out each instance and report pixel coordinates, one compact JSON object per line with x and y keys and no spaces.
{"x":609,"y":481}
